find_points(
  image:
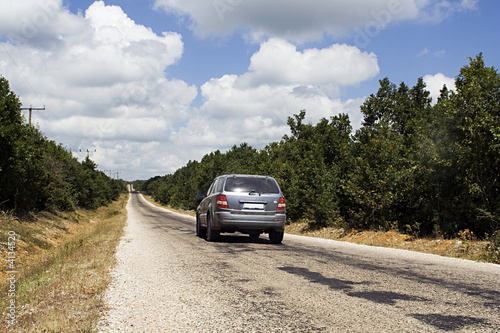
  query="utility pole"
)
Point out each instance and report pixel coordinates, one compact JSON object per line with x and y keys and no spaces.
{"x":31,"y":110}
{"x":113,"y":174}
{"x":89,"y":151}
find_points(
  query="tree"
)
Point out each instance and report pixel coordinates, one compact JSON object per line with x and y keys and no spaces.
{"x":475,"y":107}
{"x":314,"y":162}
{"x":388,"y":184}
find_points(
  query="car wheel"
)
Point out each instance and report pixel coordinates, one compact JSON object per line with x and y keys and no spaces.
{"x":212,"y":235}
{"x":200,"y":232}
{"x":276,"y":237}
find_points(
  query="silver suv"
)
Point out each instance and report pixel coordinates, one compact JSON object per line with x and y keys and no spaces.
{"x":249,"y":204}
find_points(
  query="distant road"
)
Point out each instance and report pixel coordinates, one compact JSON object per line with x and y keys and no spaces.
{"x":168,"y":280}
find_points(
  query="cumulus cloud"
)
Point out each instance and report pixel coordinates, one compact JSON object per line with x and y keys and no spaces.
{"x":333,"y":66}
{"x":436,"y":82}
{"x":292,"y":20}
{"x":37,"y":22}
{"x":301,"y":21}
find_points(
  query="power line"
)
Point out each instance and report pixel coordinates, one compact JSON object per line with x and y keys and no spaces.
{"x":20,"y":72}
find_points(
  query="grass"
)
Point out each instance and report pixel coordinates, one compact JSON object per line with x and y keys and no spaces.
{"x":465,"y":247}
{"x":62,"y":263}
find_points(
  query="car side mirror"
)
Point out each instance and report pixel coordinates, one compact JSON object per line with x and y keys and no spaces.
{"x":201,"y":195}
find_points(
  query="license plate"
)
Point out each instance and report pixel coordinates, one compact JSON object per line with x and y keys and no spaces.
{"x":253,"y":206}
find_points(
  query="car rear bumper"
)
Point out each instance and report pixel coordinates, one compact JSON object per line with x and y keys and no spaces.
{"x":237,"y":222}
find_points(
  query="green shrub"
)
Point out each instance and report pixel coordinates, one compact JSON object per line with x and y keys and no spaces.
{"x":493,"y":248}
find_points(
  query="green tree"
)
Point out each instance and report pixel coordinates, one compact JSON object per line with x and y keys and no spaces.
{"x":387,"y":186}
{"x":475,"y":108}
{"x":312,"y":164}
{"x":378,"y":151}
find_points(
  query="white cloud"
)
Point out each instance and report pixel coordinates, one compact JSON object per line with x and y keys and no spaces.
{"x":298,"y":21}
{"x":423,"y":52}
{"x":302,"y":20}
{"x":37,"y":22}
{"x":437,"y":11}
{"x":436,"y":82}
{"x":426,"y":52}
{"x":337,"y":65}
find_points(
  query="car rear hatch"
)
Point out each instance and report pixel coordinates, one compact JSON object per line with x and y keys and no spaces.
{"x":256,"y":195}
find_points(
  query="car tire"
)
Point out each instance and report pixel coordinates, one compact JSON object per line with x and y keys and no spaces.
{"x":212,"y":235}
{"x":200,"y":232}
{"x":276,"y":237}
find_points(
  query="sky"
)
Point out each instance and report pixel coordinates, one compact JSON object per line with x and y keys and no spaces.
{"x":144,"y":86}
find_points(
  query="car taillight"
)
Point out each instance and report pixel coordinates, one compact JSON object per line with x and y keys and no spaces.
{"x":222,"y":201}
{"x":281,"y":204}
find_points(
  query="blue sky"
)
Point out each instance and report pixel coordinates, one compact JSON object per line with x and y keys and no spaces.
{"x":152,"y":84}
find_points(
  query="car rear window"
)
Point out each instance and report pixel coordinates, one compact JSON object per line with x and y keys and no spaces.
{"x":251,"y":184}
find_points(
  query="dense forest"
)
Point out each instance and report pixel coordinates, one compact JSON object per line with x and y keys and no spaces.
{"x":37,"y":174}
{"x":413,"y":166}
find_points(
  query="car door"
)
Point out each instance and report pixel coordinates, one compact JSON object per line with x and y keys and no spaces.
{"x":204,"y":204}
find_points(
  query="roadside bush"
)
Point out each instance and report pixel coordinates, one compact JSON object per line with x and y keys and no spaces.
{"x":493,"y":248}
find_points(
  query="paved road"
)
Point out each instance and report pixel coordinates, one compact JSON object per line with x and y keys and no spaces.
{"x":168,"y":280}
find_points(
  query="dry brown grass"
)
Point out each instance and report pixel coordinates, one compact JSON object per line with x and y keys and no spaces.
{"x":465,"y":247}
{"x":63,"y":262}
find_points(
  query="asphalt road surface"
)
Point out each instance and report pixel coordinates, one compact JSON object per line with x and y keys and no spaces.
{"x":169,"y":280}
